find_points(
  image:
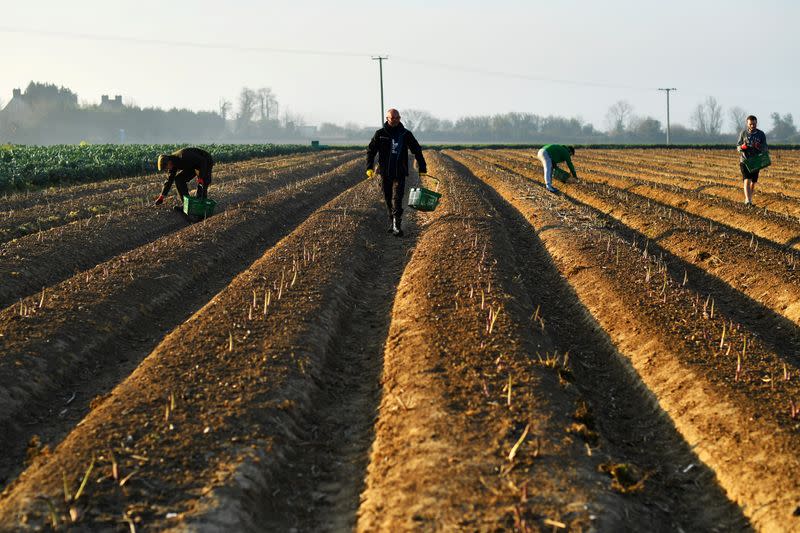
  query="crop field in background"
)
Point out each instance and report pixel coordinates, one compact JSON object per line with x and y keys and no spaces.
{"x":24,"y":167}
{"x":621,"y":355}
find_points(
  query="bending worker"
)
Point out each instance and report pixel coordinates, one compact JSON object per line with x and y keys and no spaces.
{"x":391,"y":143}
{"x":551,"y":155}
{"x":182,"y":166}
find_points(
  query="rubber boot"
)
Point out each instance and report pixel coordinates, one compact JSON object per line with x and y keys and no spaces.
{"x":396,"y":229}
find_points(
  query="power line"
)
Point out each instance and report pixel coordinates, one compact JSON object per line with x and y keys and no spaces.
{"x":190,"y":44}
{"x":515,"y":75}
{"x":312,"y":52}
{"x":380,"y":60}
{"x":667,"y":90}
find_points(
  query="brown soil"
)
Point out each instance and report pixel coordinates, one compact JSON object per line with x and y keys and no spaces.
{"x":94,"y":328}
{"x":41,"y":259}
{"x":778,"y":222}
{"x":702,"y":169}
{"x":517,"y":361}
{"x":440,"y":460}
{"x":761,"y":270}
{"x":660,"y":327}
{"x":118,"y":193}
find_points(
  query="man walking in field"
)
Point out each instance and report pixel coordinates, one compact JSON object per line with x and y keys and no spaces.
{"x":391,"y":144}
{"x":752,"y":141}
{"x":182,"y":166}
{"x":551,"y":155}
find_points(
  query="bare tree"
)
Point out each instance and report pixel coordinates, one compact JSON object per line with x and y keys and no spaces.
{"x":418,"y":120}
{"x":266,"y":102}
{"x":699,"y":119}
{"x":224,"y":108}
{"x":292,"y":120}
{"x":446,"y":125}
{"x":247,"y":107}
{"x":737,"y":116}
{"x":714,"y":111}
{"x":707,"y":117}
{"x":619,"y":116}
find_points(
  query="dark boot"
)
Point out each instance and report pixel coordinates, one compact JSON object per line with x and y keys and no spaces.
{"x":391,"y":224}
{"x":396,"y":229}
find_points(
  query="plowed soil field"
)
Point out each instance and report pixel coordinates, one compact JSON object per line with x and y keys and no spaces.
{"x":623,"y":355}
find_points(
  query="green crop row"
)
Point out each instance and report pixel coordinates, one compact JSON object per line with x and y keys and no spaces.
{"x":29,"y":167}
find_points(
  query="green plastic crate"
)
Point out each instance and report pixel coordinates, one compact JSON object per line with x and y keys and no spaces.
{"x":423,"y":199}
{"x":757,"y":162}
{"x":198,"y":207}
{"x":560,"y":175}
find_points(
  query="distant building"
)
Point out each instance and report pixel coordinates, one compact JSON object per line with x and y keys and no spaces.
{"x":18,"y":108}
{"x":106,"y":104}
{"x":17,"y":112}
{"x":38,"y":98}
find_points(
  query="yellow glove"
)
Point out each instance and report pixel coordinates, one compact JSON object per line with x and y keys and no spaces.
{"x":370,"y":173}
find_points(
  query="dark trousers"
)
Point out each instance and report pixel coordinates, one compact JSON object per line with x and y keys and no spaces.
{"x":183,"y":178}
{"x":393,"y":190}
{"x":202,"y":189}
{"x":747,"y":175}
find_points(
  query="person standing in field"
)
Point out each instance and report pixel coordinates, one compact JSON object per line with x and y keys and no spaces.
{"x":551,"y":155}
{"x":391,"y":144}
{"x":181,"y":167}
{"x":752,"y":141}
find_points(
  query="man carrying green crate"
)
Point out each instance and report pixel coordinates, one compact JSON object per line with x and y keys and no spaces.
{"x":391,"y":144}
{"x":551,"y":155}
{"x":182,"y":166}
{"x":752,"y":143}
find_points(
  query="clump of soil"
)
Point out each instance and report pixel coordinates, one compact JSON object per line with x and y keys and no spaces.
{"x":626,"y":478}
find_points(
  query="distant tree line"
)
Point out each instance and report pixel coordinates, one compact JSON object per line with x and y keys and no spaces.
{"x":128,"y":125}
{"x":46,"y":114}
{"x":504,"y":128}
{"x":707,"y":122}
{"x":623,"y":126}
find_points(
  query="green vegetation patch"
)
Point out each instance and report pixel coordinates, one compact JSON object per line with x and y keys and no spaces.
{"x":31,"y":167}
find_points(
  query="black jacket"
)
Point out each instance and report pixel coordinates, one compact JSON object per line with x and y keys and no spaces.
{"x":381,"y":144}
{"x":189,"y":161}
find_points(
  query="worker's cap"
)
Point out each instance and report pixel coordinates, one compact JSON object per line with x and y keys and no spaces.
{"x":162,"y":161}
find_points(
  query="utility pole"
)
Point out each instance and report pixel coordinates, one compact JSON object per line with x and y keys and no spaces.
{"x":380,"y":59}
{"x":667,"y":90}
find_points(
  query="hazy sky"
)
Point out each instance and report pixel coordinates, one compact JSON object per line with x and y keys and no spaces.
{"x":451,"y":58}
